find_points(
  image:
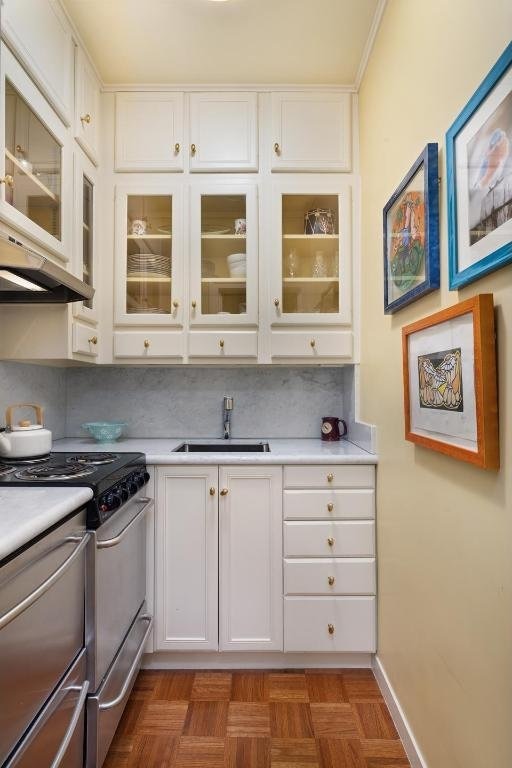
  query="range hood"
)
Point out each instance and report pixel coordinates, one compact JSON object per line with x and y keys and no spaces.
{"x":26,"y":277}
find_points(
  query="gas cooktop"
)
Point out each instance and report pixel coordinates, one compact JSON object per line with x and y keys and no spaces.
{"x":113,"y":477}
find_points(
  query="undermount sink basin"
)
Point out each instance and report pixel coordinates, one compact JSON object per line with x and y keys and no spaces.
{"x":223,"y":448}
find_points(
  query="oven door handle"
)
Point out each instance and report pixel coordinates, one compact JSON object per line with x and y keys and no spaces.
{"x":27,"y":601}
{"x":72,"y":723}
{"x":148,"y":504}
{"x":124,"y":690}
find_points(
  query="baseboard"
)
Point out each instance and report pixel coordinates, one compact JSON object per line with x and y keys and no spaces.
{"x":411,"y":747}
{"x":253,"y":660}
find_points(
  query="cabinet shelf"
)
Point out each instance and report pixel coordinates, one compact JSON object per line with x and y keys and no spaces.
{"x":206,"y":236}
{"x":149,"y":237}
{"x":240,"y":280}
{"x":310,"y":237}
{"x":149,"y":279}
{"x":310,"y":279}
{"x":32,"y":177}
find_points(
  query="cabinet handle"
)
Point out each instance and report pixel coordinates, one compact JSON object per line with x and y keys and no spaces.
{"x":330,"y":506}
{"x":330,"y":477}
{"x":212,"y":491}
{"x":277,"y":148}
{"x":330,"y":629}
{"x":85,"y":118}
{"x":193,"y":149}
{"x":276,"y":302}
{"x":330,"y":541}
{"x":8,"y":180}
{"x":146,"y":343}
{"x":177,"y":148}
{"x":331,"y":580}
{"x":93,"y":340}
{"x":175,"y":304}
{"x":221,"y":343}
{"x":224,"y":492}
{"x":312,"y":343}
{"x":194,"y":304}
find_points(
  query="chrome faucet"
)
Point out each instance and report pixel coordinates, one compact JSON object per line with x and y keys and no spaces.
{"x":228,"y":407}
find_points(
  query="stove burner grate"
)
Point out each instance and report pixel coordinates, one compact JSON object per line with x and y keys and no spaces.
{"x":55,"y":472}
{"x":19,"y":462}
{"x":6,"y":470}
{"x":92,"y":458}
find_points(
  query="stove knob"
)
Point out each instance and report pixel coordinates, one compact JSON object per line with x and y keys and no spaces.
{"x":139,"y":480}
{"x":111,"y":501}
{"x":133,"y":487}
{"x":146,"y":477}
{"x":125,"y":493}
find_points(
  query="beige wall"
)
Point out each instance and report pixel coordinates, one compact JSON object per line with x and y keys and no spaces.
{"x":444,"y":528}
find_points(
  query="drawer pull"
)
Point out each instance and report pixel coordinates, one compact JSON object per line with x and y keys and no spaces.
{"x":221,"y":343}
{"x":224,"y":492}
{"x":175,"y":304}
{"x":277,"y":148}
{"x":330,"y":477}
{"x":8,"y":180}
{"x":312,"y":343}
{"x":146,"y":343}
{"x":331,"y":580}
{"x":193,"y":150}
{"x":194,"y":304}
{"x":212,"y":491}
{"x":330,"y":629}
{"x":177,"y":148}
{"x":330,"y":541}
{"x":85,"y":119}
{"x":330,"y":506}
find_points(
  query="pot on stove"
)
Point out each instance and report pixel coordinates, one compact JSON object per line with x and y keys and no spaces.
{"x":24,"y":440}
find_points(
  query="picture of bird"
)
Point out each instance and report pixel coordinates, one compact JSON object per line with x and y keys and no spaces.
{"x":494,"y":161}
{"x":440,"y":383}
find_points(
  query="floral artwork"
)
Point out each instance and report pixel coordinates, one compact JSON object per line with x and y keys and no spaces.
{"x":440,"y":380}
{"x":407,"y":239}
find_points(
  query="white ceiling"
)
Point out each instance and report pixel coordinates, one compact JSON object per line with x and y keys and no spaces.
{"x":239,"y":41}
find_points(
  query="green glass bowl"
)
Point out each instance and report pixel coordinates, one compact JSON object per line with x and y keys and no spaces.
{"x":105,"y":431}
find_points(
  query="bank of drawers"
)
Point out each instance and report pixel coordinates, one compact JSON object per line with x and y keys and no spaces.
{"x":329,"y":558}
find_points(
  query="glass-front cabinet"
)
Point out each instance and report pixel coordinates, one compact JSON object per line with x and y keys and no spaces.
{"x":34,"y":172}
{"x":224,"y":255}
{"x":149,"y":255}
{"x":311,"y":279}
{"x":86,"y":228}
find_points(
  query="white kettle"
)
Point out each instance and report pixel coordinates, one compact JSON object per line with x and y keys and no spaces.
{"x":24,"y":440}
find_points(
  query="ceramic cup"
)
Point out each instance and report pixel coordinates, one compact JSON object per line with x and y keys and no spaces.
{"x":240,"y":226}
{"x":331,"y":428}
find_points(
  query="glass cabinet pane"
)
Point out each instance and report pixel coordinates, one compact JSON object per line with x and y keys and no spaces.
{"x":87,"y":235}
{"x":223,"y":255}
{"x":33,"y":161}
{"x":149,"y":254}
{"x":310,"y":254}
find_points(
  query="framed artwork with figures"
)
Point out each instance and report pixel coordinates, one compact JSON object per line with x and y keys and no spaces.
{"x":479,"y":177}
{"x":411,"y":234}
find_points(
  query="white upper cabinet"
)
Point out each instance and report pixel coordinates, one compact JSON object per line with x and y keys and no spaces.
{"x":39,"y":33}
{"x":149,"y":131}
{"x":87,"y":106}
{"x":311,"y":131}
{"x":223,"y":132}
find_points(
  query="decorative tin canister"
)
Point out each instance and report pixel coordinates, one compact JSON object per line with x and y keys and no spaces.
{"x":319,"y":221}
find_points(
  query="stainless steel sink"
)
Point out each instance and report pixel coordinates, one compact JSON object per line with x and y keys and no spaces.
{"x":223,"y":448}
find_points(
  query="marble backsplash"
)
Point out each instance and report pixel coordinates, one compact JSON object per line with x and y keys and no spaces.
{"x":27,"y":383}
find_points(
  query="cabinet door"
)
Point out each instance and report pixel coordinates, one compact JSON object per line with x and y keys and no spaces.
{"x":224,"y":132}
{"x":149,"y":254}
{"x":85,"y":237}
{"x":36,"y":162}
{"x":87,"y":106}
{"x":40,"y":35}
{"x":149,"y":132}
{"x":250,"y":541}
{"x":311,"y":276}
{"x":186,"y":559}
{"x":224,"y":255}
{"x":311,"y":132}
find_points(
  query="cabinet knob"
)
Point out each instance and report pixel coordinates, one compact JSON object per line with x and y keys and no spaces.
{"x":175,"y":304}
{"x":312,"y":343}
{"x":276,"y":302}
{"x":330,"y":477}
{"x":330,"y":629}
{"x":330,"y":506}
{"x":330,"y":541}
{"x":194,"y":304}
{"x":177,"y":148}
{"x":331,"y":580}
{"x":193,"y":150}
{"x":8,"y":180}
{"x":221,"y":343}
{"x":224,"y":492}
{"x":93,"y":340}
{"x":146,"y":343}
{"x":85,"y":118}
{"x":277,"y":148}
{"x":212,"y":491}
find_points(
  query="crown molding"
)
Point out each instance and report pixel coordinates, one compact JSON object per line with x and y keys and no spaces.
{"x":372,"y":34}
{"x":230,"y":87}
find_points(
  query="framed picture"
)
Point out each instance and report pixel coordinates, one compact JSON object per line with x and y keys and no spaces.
{"x":411,"y":234}
{"x":479,"y":177}
{"x":449,"y":369}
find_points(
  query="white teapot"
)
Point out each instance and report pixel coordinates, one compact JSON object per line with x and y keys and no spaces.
{"x":24,"y":440}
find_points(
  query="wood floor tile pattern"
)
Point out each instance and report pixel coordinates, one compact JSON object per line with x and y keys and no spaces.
{"x":244,"y":719}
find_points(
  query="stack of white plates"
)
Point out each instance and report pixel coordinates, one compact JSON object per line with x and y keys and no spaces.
{"x":237,"y":265}
{"x":148,"y":265}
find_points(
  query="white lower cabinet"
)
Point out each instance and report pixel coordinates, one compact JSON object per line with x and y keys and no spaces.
{"x":340,"y":624}
{"x":219,"y":558}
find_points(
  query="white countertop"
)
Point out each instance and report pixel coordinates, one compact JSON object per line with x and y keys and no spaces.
{"x":27,"y":512}
{"x":282,"y":451}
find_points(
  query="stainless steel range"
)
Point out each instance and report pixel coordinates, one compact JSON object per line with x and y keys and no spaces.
{"x":117,"y":623}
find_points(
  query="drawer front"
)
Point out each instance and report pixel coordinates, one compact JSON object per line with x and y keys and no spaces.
{"x":152,"y":344}
{"x":350,"y":576}
{"x":223,"y":344}
{"x":346,"y":539}
{"x":350,"y":504}
{"x":85,"y":340}
{"x":311,"y":345}
{"x":351,"y":620}
{"x":330,"y":476}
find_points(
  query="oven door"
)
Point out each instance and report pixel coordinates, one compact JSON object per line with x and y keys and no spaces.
{"x":116,"y":583}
